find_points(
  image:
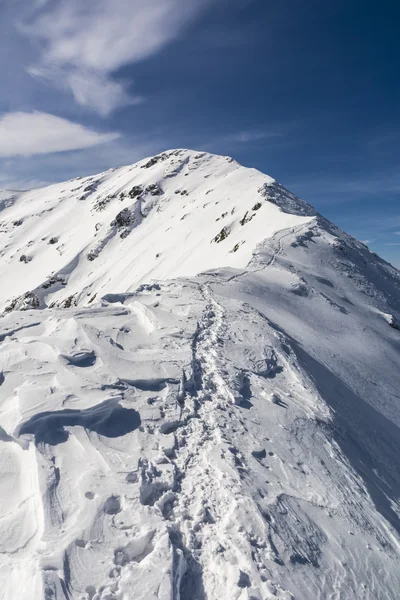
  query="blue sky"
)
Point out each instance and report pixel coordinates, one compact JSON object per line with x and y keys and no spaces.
{"x":308,"y":92}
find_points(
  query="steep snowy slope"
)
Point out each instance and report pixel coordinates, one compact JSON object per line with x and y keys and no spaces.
{"x":230,"y":433}
{"x":177,"y":214}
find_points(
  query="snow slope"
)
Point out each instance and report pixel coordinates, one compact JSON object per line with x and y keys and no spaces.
{"x":154,"y":220}
{"x":194,"y":408}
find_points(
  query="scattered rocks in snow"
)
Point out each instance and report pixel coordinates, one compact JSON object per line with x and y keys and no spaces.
{"x":247,"y":218}
{"x":27,"y":301}
{"x":88,"y":190}
{"x":222,"y":235}
{"x":54,"y":280}
{"x":156,"y":159}
{"x":237,"y":246}
{"x":136,"y":191}
{"x":288,"y":203}
{"x":148,"y":287}
{"x":154,"y":189}
{"x":92,"y":255}
{"x":102,"y":203}
{"x":304,"y":239}
{"x":68,"y":302}
{"x":125,"y":218}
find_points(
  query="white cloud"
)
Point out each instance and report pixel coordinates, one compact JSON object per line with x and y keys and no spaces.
{"x":90,"y":89}
{"x":25,"y":134}
{"x":95,"y":89}
{"x":89,"y":40}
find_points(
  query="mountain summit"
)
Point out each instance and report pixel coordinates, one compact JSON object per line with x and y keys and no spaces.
{"x":173,"y":215}
{"x":199,"y":392}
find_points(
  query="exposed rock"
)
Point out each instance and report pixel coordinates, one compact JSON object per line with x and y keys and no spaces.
{"x":134,"y":192}
{"x":154,"y":189}
{"x":247,"y":218}
{"x":54,"y":280}
{"x":123,"y":219}
{"x":221,"y":236}
{"x":27,"y":301}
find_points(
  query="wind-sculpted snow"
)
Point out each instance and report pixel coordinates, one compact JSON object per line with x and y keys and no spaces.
{"x":106,"y":419}
{"x":233,"y":435}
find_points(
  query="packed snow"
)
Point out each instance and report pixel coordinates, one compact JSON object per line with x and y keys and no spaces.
{"x":199,"y":392}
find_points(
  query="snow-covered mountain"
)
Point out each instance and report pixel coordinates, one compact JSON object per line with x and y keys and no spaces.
{"x":174,"y":215}
{"x":199,"y":392}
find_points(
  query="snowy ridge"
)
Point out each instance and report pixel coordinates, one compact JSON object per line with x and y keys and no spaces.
{"x":232,"y":432}
{"x":174,"y":215}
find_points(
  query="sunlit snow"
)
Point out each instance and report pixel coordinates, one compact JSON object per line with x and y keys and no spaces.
{"x":199,"y":392}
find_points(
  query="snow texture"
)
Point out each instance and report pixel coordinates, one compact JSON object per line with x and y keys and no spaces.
{"x":199,"y":392}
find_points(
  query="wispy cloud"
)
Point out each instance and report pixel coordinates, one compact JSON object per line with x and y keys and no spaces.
{"x":84,"y":43}
{"x":229,"y":143}
{"x":25,"y":134}
{"x":246,"y":137}
{"x":93,"y":90}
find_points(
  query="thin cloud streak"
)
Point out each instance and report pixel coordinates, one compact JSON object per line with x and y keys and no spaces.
{"x":86,"y":42}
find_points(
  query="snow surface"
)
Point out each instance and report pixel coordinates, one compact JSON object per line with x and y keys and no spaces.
{"x":170,"y":213}
{"x":199,"y":392}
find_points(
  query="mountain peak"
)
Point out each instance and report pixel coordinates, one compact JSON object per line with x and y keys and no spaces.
{"x":175,"y":214}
